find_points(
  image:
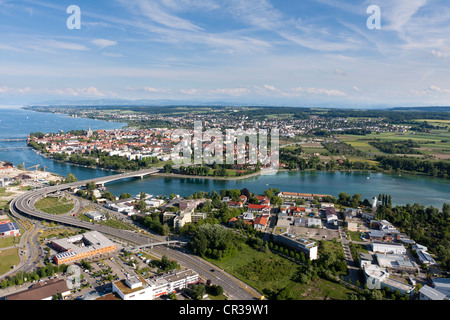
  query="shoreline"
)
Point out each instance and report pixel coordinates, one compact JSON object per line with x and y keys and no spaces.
{"x":186,"y":176}
{"x":182,"y":176}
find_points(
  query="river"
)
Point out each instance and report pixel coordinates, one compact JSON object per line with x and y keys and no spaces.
{"x":18,"y":123}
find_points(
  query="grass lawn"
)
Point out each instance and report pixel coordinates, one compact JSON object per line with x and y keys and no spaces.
{"x":58,"y":233}
{"x":285,"y":270}
{"x":8,"y":258}
{"x":54,"y":205}
{"x":113,"y":223}
{"x":355,"y":236}
{"x":9,"y":241}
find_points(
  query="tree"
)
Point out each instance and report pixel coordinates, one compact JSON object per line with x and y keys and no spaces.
{"x":355,"y":200}
{"x":216,"y":290}
{"x":142,"y":205}
{"x":70,"y":178}
{"x":168,"y":168}
{"x":198,"y":291}
{"x":91,"y":186}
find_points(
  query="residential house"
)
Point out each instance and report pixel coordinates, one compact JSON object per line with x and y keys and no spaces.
{"x":259,"y":208}
{"x":260,"y":223}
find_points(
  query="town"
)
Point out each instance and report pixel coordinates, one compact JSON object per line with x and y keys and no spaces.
{"x":382,"y":141}
{"x":344,"y":241}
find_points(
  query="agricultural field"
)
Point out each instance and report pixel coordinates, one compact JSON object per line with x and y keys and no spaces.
{"x":54,"y":205}
{"x":435,"y":144}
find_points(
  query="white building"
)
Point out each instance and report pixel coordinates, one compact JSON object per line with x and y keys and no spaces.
{"x":429,"y":293}
{"x":308,"y":247}
{"x":393,"y":248}
{"x":425,"y":257}
{"x":154,"y":203}
{"x":442,"y":285}
{"x":136,"y":288}
{"x":378,"y":278}
{"x":95,"y":216}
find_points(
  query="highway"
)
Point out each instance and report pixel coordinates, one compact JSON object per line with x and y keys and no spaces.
{"x":23,"y":205}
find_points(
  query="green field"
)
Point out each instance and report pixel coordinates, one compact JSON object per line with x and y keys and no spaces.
{"x":245,"y":264}
{"x":54,"y":205}
{"x":8,"y":258}
{"x":9,"y":241}
{"x":435,"y":144}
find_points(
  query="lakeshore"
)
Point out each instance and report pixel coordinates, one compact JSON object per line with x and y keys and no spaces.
{"x":404,"y":188}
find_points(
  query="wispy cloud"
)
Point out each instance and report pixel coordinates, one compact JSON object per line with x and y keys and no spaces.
{"x":103,"y":43}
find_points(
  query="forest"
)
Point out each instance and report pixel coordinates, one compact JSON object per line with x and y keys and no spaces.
{"x":397,"y":147}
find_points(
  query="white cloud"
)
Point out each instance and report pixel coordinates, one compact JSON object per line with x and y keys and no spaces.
{"x":75,"y":92}
{"x":65,"y":45}
{"x":438,"y":54}
{"x":103,"y":43}
{"x":320,"y":91}
{"x":435,"y":88}
{"x":398,"y":13}
{"x":153,"y":10}
{"x":231,"y":91}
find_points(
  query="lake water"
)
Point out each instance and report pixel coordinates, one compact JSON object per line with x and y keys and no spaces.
{"x":16,"y":123}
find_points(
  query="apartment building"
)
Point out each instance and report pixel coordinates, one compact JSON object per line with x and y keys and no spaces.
{"x":308,"y":247}
{"x":137,"y":288}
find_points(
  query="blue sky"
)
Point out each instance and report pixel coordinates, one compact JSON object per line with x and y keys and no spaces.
{"x":281,"y":52}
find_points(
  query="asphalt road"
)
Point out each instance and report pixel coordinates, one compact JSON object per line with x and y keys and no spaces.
{"x":235,"y":289}
{"x":24,"y":205}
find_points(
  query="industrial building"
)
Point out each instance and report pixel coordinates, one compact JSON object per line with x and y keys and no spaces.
{"x":10,"y":229}
{"x":82,"y":246}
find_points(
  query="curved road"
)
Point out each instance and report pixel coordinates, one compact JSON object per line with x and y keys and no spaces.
{"x":23,"y":205}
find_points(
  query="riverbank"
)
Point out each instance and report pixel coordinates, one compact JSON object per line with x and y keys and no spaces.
{"x":186,"y":176}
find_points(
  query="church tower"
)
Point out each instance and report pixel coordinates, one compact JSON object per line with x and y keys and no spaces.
{"x":89,"y":133}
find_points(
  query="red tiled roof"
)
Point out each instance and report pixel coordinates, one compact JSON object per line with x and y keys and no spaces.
{"x":261,"y":221}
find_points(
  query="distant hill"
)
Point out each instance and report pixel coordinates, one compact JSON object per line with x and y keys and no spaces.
{"x":422,"y":109}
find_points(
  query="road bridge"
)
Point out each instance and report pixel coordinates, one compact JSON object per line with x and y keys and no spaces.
{"x":23,"y":205}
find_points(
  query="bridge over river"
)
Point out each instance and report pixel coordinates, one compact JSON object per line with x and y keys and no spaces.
{"x":24,"y":205}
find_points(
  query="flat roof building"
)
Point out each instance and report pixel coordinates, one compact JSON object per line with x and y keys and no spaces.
{"x":42,"y":291}
{"x":308,"y":247}
{"x":396,"y":262}
{"x":137,"y":288}
{"x":82,"y":246}
{"x":393,"y":248}
{"x":9,"y":230}
{"x":378,"y":278}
